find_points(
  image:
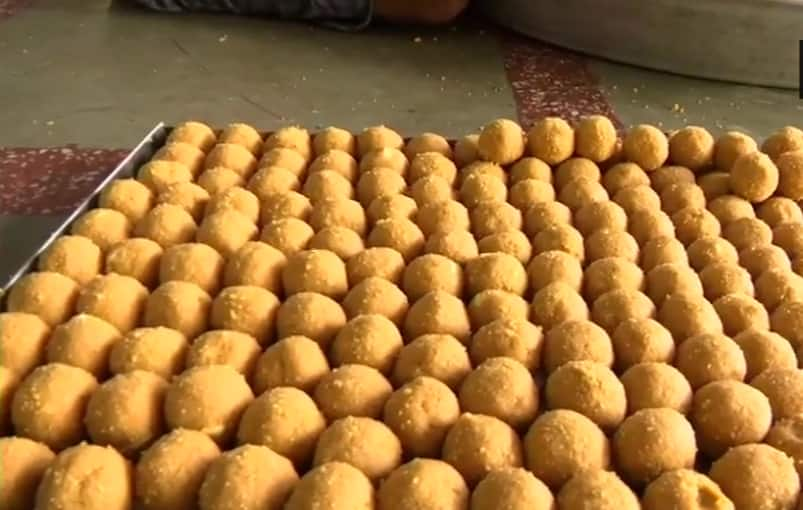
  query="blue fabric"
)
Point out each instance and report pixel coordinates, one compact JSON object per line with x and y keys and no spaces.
{"x":342,"y":14}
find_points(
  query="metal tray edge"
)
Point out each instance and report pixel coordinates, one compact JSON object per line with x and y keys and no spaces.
{"x":144,"y":150}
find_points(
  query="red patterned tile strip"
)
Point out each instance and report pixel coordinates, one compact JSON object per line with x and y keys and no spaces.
{"x":52,"y":180}
{"x":549,"y":81}
{"x":9,"y":8}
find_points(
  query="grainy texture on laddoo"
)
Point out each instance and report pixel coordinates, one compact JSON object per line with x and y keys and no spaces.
{"x":23,"y":462}
{"x":352,"y":390}
{"x":595,"y":138}
{"x":754,"y":177}
{"x":423,"y":483}
{"x":365,"y":443}
{"x":638,"y":340}
{"x":518,"y":339}
{"x":294,"y":361}
{"x":684,"y":488}
{"x":84,"y":341}
{"x":777,"y":210}
{"x":714,"y":184}
{"x":589,"y":388}
{"x":182,"y":306}
{"x":708,"y":250}
{"x":334,"y":485}
{"x":320,"y":271}
{"x":458,"y":245}
{"x":29,"y":293}
{"x":24,"y":339}
{"x":441,"y":357}
{"x":662,"y":250}
{"x":511,"y":488}
{"x":130,"y":197}
{"x":138,"y":258}
{"x":333,"y":138}
{"x":227,"y":231}
{"x":258,"y":264}
{"x":439,"y":313}
{"x":503,"y":388}
{"x":194,"y":133}
{"x":555,"y":303}
{"x":646,"y":146}
{"x":107,"y":227}
{"x":117,"y":299}
{"x":786,"y":139}
{"x":783,"y":388}
{"x":196,"y":263}
{"x":490,"y":305}
{"x":159,"y":350}
{"x":576,"y":341}
{"x":739,"y":312}
{"x":466,"y":150}
{"x":370,"y":340}
{"x":225,"y":347}
{"x":431,"y":272}
{"x":375,"y":295}
{"x":312,"y":315}
{"x":598,"y":490}
{"x":653,"y":385}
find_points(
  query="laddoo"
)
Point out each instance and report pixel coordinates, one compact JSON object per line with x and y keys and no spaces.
{"x":246,"y":308}
{"x":692,"y":223}
{"x":624,"y":175}
{"x":747,"y":232}
{"x":495,"y":271}
{"x":530,"y":168}
{"x":729,"y":208}
{"x":431,"y":272}
{"x":730,"y":146}
{"x":182,"y":152}
{"x":233,"y":156}
{"x":597,"y":490}
{"x":258,"y":264}
{"x":427,"y":142}
{"x":466,"y":150}
{"x":555,"y":266}
{"x":378,"y":137}
{"x":294,"y":361}
{"x":104,"y":227}
{"x":715,"y":184}
{"x":646,"y":224}
{"x":193,"y":198}
{"x":327,"y":185}
{"x":333,"y":138}
{"x":511,"y":488}
{"x":785,"y":436}
{"x":379,"y":182}
{"x":218,"y":179}
{"x":765,"y":350}
{"x":782,"y":386}
{"x":688,"y":315}
{"x":242,"y":134}
{"x":635,"y":198}
{"x":786,"y":139}
{"x":482,"y":167}
{"x":237,"y":199}
{"x":575,"y":341}
{"x":581,"y":192}
{"x":167,"y":224}
{"x":375,"y":295}
{"x":227,"y":231}
{"x":225,"y":347}
{"x":181,"y":306}
{"x":754,"y":177}
{"x":158,"y":175}
{"x":539,"y":217}
{"x":757,"y":259}
{"x":283,"y":157}
{"x":423,"y":483}
{"x":656,"y":385}
{"x":370,"y":340}
{"x":595,"y":138}
{"x":49,"y":404}
{"x":517,"y":339}
{"x":432,"y":163}
{"x":290,"y":137}
{"x":196,"y":263}
{"x":786,"y":320}
{"x":386,"y":157}
{"x":458,"y":245}
{"x":555,"y":303}
{"x":24,"y":463}
{"x":438,"y":313}
{"x":439,"y":356}
{"x":84,"y":341}
{"x":442,"y":217}
{"x":431,"y":189}
{"x":552,"y":140}
{"x":50,"y":296}
{"x":493,"y":304}
{"x":194,"y":133}
{"x":335,"y":486}
{"x":315,"y":316}
{"x":600,"y":215}
{"x":672,"y":278}
{"x":74,"y":256}
{"x":692,"y":147}
{"x":288,"y":235}
{"x":365,"y":443}
{"x":708,"y":250}
{"x":342,"y":241}
{"x":117,"y":299}
{"x":777,"y":210}
{"x":24,"y":338}
{"x":400,"y":234}
{"x":126,"y":412}
{"x":739,"y":312}
{"x":719,"y":279}
{"x":379,"y":262}
{"x":479,"y":188}
{"x":589,"y":388}
{"x":352,"y":390}
{"x":271,"y":180}
{"x":662,"y":250}
{"x":776,"y":285}
{"x":159,"y":350}
{"x":561,"y":237}
{"x":646,"y":146}
{"x":606,"y":243}
{"x":618,"y":305}
{"x":138,"y":258}
{"x":501,"y":141}
{"x":489,"y":217}
{"x":789,"y":237}
{"x":684,"y":488}
{"x":528,"y":192}
{"x":320,"y":271}
{"x":503,"y":388}
{"x":290,"y":204}
{"x":511,"y":242}
{"x":610,"y":273}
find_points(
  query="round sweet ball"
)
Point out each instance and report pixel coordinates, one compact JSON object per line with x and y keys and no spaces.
{"x":560,"y":237}
{"x":575,"y":341}
{"x":182,"y":152}
{"x":503,"y":388}
{"x":491,"y":305}
{"x":639,"y":340}
{"x":715,"y":184}
{"x":379,"y":182}
{"x":365,"y":443}
{"x":428,"y":142}
{"x":167,"y":224}
{"x":320,"y":271}
{"x":375,"y":295}
{"x":466,"y":150}
{"x":551,"y":140}
{"x":208,"y":398}
{"x":479,"y":188}
{"x":117,"y":299}
{"x":490,"y":217}
{"x":786,"y":320}
{"x":248,"y":309}
{"x":438,"y":313}
{"x":502,"y":141}
{"x":248,"y":477}
{"x":654,"y":385}
{"x":431,"y":272}
{"x":774,"y":286}
{"x":128,"y":196}
{"x":589,"y":388}
{"x":624,"y":175}
{"x":233,"y":156}
{"x":458,"y":245}
{"x":511,"y":242}
{"x":187,"y":456}
{"x":722,"y":278}
{"x":651,"y":442}
{"x":291,"y":137}
{"x":227,"y":231}
{"x":478,"y":444}
{"x":541,"y":216}
{"x":555,"y":266}
{"x":646,"y":146}
{"x":158,"y":350}
{"x":218,"y":179}
{"x":194,"y":133}
{"x":441,"y":217}
{"x":786,"y":139}
{"x":431,"y":189}
{"x":517,"y":339}
{"x":295,"y":361}
{"x":257,"y":264}
{"x":290,"y":204}
{"x":242,"y":134}
{"x":224,"y":347}
{"x":693,"y":223}
{"x":384,"y":263}
{"x":24,"y":338}
{"x":420,"y":413}
{"x":607,"y":243}
{"x":338,"y":212}
{"x":65,"y":481}
{"x":511,"y":487}
{"x":600,"y":215}
{"x":601,"y":490}
{"x":635,"y":198}
{"x":76,"y":257}
{"x":8,"y":385}
{"x":387,"y":157}
{"x":618,"y":305}
{"x":342,"y":241}
{"x":289,"y":159}
{"x":327,"y":185}
{"x":765,"y":350}
{"x":687,"y":315}
{"x":581,"y":192}
{"x":284,"y":419}
{"x":237,"y":199}
{"x":740,"y":312}
{"x":138,"y":258}
{"x":440,"y":357}
{"x":428,"y":164}
{"x":271,"y":180}
{"x":496,"y":271}
{"x":104,"y":227}
{"x":288,"y":235}
{"x":730,"y":208}
{"x":50,"y":296}
{"x":49,"y":404}
{"x":781,"y":386}
{"x":530,"y":168}
{"x":370,"y":340}
{"x":196,"y":263}
{"x":181,"y":306}
{"x":334,"y":485}
{"x":785,"y":436}
{"x":692,"y":147}
{"x":424,"y":483}
{"x":747,"y":232}
{"x":754,"y":177}
{"x":125,"y":412}
{"x":605,"y":275}
{"x":679,"y":195}
{"x":191,"y":197}
{"x":485,"y":168}
{"x":400,"y":234}
{"x":684,"y":488}
{"x":378,"y":137}
{"x":159,"y":175}
{"x":663,"y":250}
{"x":728,"y":413}
{"x":528,"y":192}
{"x":595,"y":138}
{"x":730,"y":146}
{"x":709,"y":250}
{"x":352,"y":390}
{"x":333,"y":138}
{"x":562,"y":443}
{"x":757,"y":476}
{"x":24,"y":463}
{"x":789,"y":236}
{"x":555,"y":303}
{"x":312,"y":315}
{"x":790,"y":168}
{"x":777,"y":210}
{"x":84,"y":341}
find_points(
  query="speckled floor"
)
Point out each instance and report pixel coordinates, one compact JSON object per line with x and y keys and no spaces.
{"x":81,"y":79}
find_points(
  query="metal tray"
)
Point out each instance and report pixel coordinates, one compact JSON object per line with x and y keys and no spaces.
{"x":126,"y":169}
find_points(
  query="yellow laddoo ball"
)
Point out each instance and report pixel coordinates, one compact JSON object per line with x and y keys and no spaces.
{"x":789,"y":236}
{"x":600,"y":215}
{"x":711,"y":250}
{"x":257,"y":264}
{"x":235,"y":199}
{"x":710,"y":357}
{"x":379,"y":182}
{"x":684,"y":488}
{"x":611,"y":273}
{"x":606,"y":243}
{"x":551,"y":140}
{"x":181,"y":306}
{"x":194,"y":133}
{"x":786,"y":321}
{"x":646,"y":146}
{"x":423,"y":483}
{"x":438,"y":313}
{"x":489,"y":217}
{"x":338,"y":212}
{"x":775,"y":286}
{"x":635,"y":198}
{"x":248,"y":309}
{"x":365,"y":443}
{"x":544,"y":215}
{"x":431,"y":272}
{"x":730,"y":146}
{"x":74,"y":256}
{"x":182,"y":152}
{"x":104,"y":227}
{"x":581,"y":192}
{"x":352,"y":390}
{"x":555,"y":303}
{"x":688,"y":315}
{"x":128,"y":196}
{"x":159,"y":175}
{"x":439,"y":356}
{"x":765,"y":350}
{"x":715,"y":184}
{"x":595,"y":138}
{"x":334,"y":138}
{"x":187,"y":195}
{"x":167,"y":224}
{"x":233,"y":156}
{"x":294,"y":361}
{"x":560,"y":237}
{"x":402,"y":235}
{"x":24,"y":463}
{"x":334,"y":485}
{"x":378,"y":137}
{"x":195,"y":263}
{"x":495,"y":271}
{"x":555,"y":266}
{"x":342,"y":241}
{"x":51,"y":296}
{"x":624,"y":175}
{"x":379,"y":262}
{"x":442,"y":217}
{"x":291,"y":204}
{"x":530,"y":168}
{"x":288,"y":159}
{"x":601,"y":490}
{"x":511,"y":242}
{"x":490,"y":305}
{"x":117,"y":299}
{"x":663,"y":250}
{"x":677,"y":196}
{"x":739,"y":312}
{"x":466,"y":150}
{"x":502,"y":141}
{"x":754,"y":177}
{"x":781,"y":386}
{"x":376,"y":295}
{"x":24,"y":339}
{"x":288,"y":235}
{"x":431,"y":189}
{"x":730,"y":208}
{"x":785,"y":436}
{"x":458,"y":245}
{"x":159,"y":350}
{"x":270,"y":180}
{"x":327,"y":185}
{"x":370,"y":340}
{"x":84,"y":341}
{"x":218,"y":179}
{"x":312,"y":315}
{"x":529,"y":192}
{"x":692,"y":147}
{"x":503,"y":388}
{"x":513,"y":488}
{"x":138,"y":258}
{"x":618,"y":305}
{"x":692,"y":223}
{"x":517,"y":339}
{"x":484,"y":168}
{"x":387,"y":157}
{"x":790,"y":169}
{"x":478,"y":188}
{"x":576,"y":341}
{"x":589,"y":388}
{"x":427,"y":164}
{"x":656,"y":385}
{"x":227,"y":231}
{"x":777,"y":210}
{"x":242,"y":134}
{"x":320,"y":271}
{"x":225,"y":347}
{"x":786,"y":139}
{"x":640,"y":340}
